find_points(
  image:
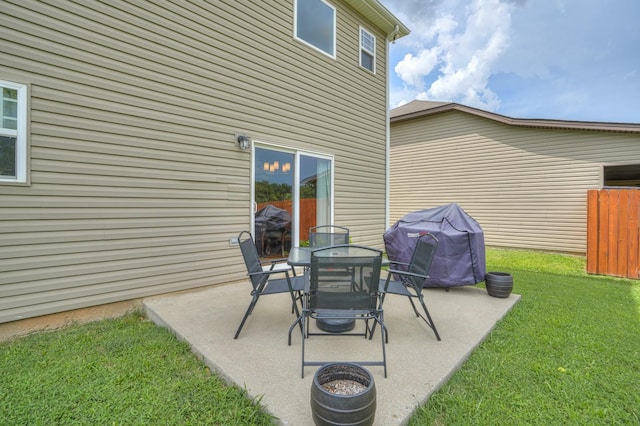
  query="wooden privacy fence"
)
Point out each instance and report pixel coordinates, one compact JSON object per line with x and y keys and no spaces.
{"x":612,"y":232}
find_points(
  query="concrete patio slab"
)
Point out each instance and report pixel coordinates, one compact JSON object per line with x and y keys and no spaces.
{"x":261,"y":361}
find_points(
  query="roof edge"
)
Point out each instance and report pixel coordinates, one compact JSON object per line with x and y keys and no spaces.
{"x":443,"y":107}
{"x":380,"y":15}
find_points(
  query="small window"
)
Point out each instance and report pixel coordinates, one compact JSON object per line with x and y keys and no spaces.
{"x":13,"y":132}
{"x":626,"y":175}
{"x":315,"y":24}
{"x":367,"y":50}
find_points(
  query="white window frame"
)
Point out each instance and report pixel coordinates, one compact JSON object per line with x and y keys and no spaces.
{"x":295,"y":30}
{"x":20,"y":133}
{"x":365,"y":49}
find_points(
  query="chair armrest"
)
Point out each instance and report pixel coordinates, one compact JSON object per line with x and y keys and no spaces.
{"x":411,"y":282}
{"x":396,"y":262}
{"x":270,"y":272}
{"x":407,"y":273}
{"x":282,"y":261}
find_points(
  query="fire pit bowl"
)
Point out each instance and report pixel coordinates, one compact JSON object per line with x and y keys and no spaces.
{"x":343,"y":393}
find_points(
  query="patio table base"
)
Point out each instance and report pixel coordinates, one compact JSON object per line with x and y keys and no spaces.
{"x":338,"y":325}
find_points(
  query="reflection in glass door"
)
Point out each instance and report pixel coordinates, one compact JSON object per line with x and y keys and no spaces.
{"x":292,"y":192}
{"x":273,"y":189}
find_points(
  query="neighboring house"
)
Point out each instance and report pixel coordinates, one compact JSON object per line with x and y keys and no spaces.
{"x":525,"y":181}
{"x":121,"y":174}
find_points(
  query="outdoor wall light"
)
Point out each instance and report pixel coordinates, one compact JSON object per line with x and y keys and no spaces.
{"x":244,"y":142}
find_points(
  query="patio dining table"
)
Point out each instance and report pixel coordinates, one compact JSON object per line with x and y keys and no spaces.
{"x":301,"y":256}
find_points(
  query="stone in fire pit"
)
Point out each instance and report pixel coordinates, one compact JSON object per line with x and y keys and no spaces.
{"x":344,"y":387}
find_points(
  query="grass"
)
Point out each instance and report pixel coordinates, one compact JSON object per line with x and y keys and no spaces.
{"x":125,"y":371}
{"x":568,"y":353}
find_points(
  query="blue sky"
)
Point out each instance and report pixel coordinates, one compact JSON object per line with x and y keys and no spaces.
{"x":555,"y":59}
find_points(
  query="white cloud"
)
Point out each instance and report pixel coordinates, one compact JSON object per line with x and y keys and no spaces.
{"x":462,"y":44}
{"x":420,"y":16}
{"x":562,"y":59}
{"x":414,"y":68}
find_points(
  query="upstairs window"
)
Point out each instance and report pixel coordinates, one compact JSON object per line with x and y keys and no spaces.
{"x":13,"y":132}
{"x":315,"y":25}
{"x":367,"y":50}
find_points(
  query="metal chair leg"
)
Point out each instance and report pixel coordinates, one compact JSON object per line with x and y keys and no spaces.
{"x":429,"y":320}
{"x":246,"y":315}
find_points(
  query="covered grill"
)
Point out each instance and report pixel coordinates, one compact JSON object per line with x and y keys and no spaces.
{"x":460,"y":257}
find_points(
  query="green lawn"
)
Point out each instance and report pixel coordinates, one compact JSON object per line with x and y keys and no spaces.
{"x":568,"y":353}
{"x":125,"y":371}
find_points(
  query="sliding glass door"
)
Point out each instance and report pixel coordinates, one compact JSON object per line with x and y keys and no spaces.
{"x":293,"y":191}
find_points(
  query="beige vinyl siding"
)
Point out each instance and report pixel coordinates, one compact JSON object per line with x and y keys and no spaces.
{"x":136,"y":182}
{"x":526,"y":187}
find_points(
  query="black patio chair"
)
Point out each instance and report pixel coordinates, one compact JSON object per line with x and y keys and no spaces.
{"x":334,"y":296}
{"x":261,"y":282}
{"x":328,"y":235}
{"x":406,"y":279}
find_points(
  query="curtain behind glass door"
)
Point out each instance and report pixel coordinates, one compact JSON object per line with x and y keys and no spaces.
{"x":315,"y":193}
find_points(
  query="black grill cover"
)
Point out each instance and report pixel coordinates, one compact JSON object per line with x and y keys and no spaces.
{"x":460,"y":257}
